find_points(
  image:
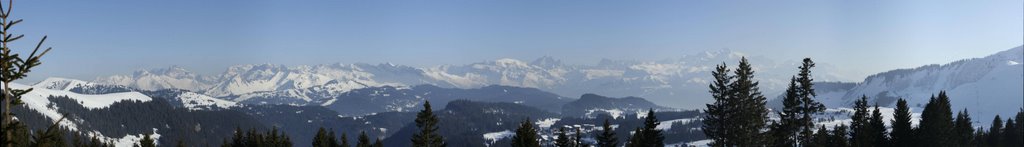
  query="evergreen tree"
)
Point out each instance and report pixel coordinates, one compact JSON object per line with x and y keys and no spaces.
{"x":526,"y":135}
{"x":1018,"y":140}
{"x":579,"y":138}
{"x":180,"y":144}
{"x":820,"y":139}
{"x":51,"y":136}
{"x":751,"y":113}
{"x":607,"y":137}
{"x":784,"y":132}
{"x":254,"y":138}
{"x":651,"y":135}
{"x":364,"y":141}
{"x":637,"y":139}
{"x":861,"y":134}
{"x":963,"y":129}
{"x":332,"y":140}
{"x":427,"y":136}
{"x":719,"y":112}
{"x":562,"y":139}
{"x":1010,"y":134}
{"x":13,"y":67}
{"x":146,"y":141}
{"x":936,"y":127}
{"x":378,"y":143}
{"x":344,"y":140}
{"x":877,"y":128}
{"x":839,"y":137}
{"x":320,"y":140}
{"x":738,"y":115}
{"x":980,"y":137}
{"x":995,"y":133}
{"x":76,"y":140}
{"x":902,"y":131}
{"x":808,"y":106}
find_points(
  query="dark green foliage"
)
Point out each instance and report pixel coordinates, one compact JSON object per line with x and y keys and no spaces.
{"x":861,"y":134}
{"x":807,"y":106}
{"x":578,"y":142}
{"x":378,"y":143}
{"x":333,"y":139}
{"x":1015,"y":135}
{"x":902,"y":131}
{"x":254,"y":138}
{"x":738,"y":114}
{"x":784,"y":131}
{"x":364,"y":140}
{"x":637,"y":140}
{"x":936,"y":127}
{"x":320,"y":140}
{"x":839,"y":137}
{"x":136,"y":117}
{"x":13,"y":66}
{"x":562,"y":139}
{"x":715,"y":122}
{"x":324,"y":138}
{"x":820,"y":139}
{"x":651,"y":135}
{"x":995,"y":132}
{"x":427,"y":136}
{"x":750,"y":113}
{"x":526,"y":135}
{"x":1011,"y":136}
{"x":146,"y":141}
{"x":648,"y":135}
{"x":607,"y":137}
{"x":52,"y":136}
{"x":963,"y":129}
{"x":180,"y":144}
{"x":344,"y":140}
{"x":876,"y":128}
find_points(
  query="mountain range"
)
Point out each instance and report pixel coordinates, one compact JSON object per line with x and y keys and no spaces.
{"x":680,"y":83}
{"x":488,"y":98}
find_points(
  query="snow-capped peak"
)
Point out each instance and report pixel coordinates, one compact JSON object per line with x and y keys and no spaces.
{"x":509,"y":62}
{"x":57,"y":83}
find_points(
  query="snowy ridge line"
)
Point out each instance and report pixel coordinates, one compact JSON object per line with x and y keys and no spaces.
{"x":38,"y":99}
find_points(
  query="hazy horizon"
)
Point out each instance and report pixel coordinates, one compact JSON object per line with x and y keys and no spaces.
{"x":93,"y":39}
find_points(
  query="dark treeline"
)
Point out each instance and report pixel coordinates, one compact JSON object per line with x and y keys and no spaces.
{"x":738,"y":118}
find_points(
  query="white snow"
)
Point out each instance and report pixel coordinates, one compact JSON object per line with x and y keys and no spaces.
{"x":614,"y":113}
{"x":495,"y":136}
{"x":129,"y":140}
{"x":57,"y":83}
{"x":667,"y":125}
{"x":700,"y":143}
{"x":37,"y":100}
{"x":546,"y":123}
{"x":39,"y":95}
{"x":196,"y":101}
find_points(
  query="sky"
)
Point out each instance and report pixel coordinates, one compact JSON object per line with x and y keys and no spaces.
{"x":105,"y":37}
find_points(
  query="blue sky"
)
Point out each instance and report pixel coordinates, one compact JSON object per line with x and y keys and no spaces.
{"x":102,"y":37}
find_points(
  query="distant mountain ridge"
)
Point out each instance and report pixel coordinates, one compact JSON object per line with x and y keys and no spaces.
{"x":662,"y":81}
{"x":592,"y":105}
{"x":986,"y":86}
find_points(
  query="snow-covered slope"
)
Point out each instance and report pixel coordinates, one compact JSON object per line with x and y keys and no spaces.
{"x":592,"y":105}
{"x":986,"y":86}
{"x":38,"y":100}
{"x":183,"y":98}
{"x":323,"y":95}
{"x":679,"y":82}
{"x":174,"y":77}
